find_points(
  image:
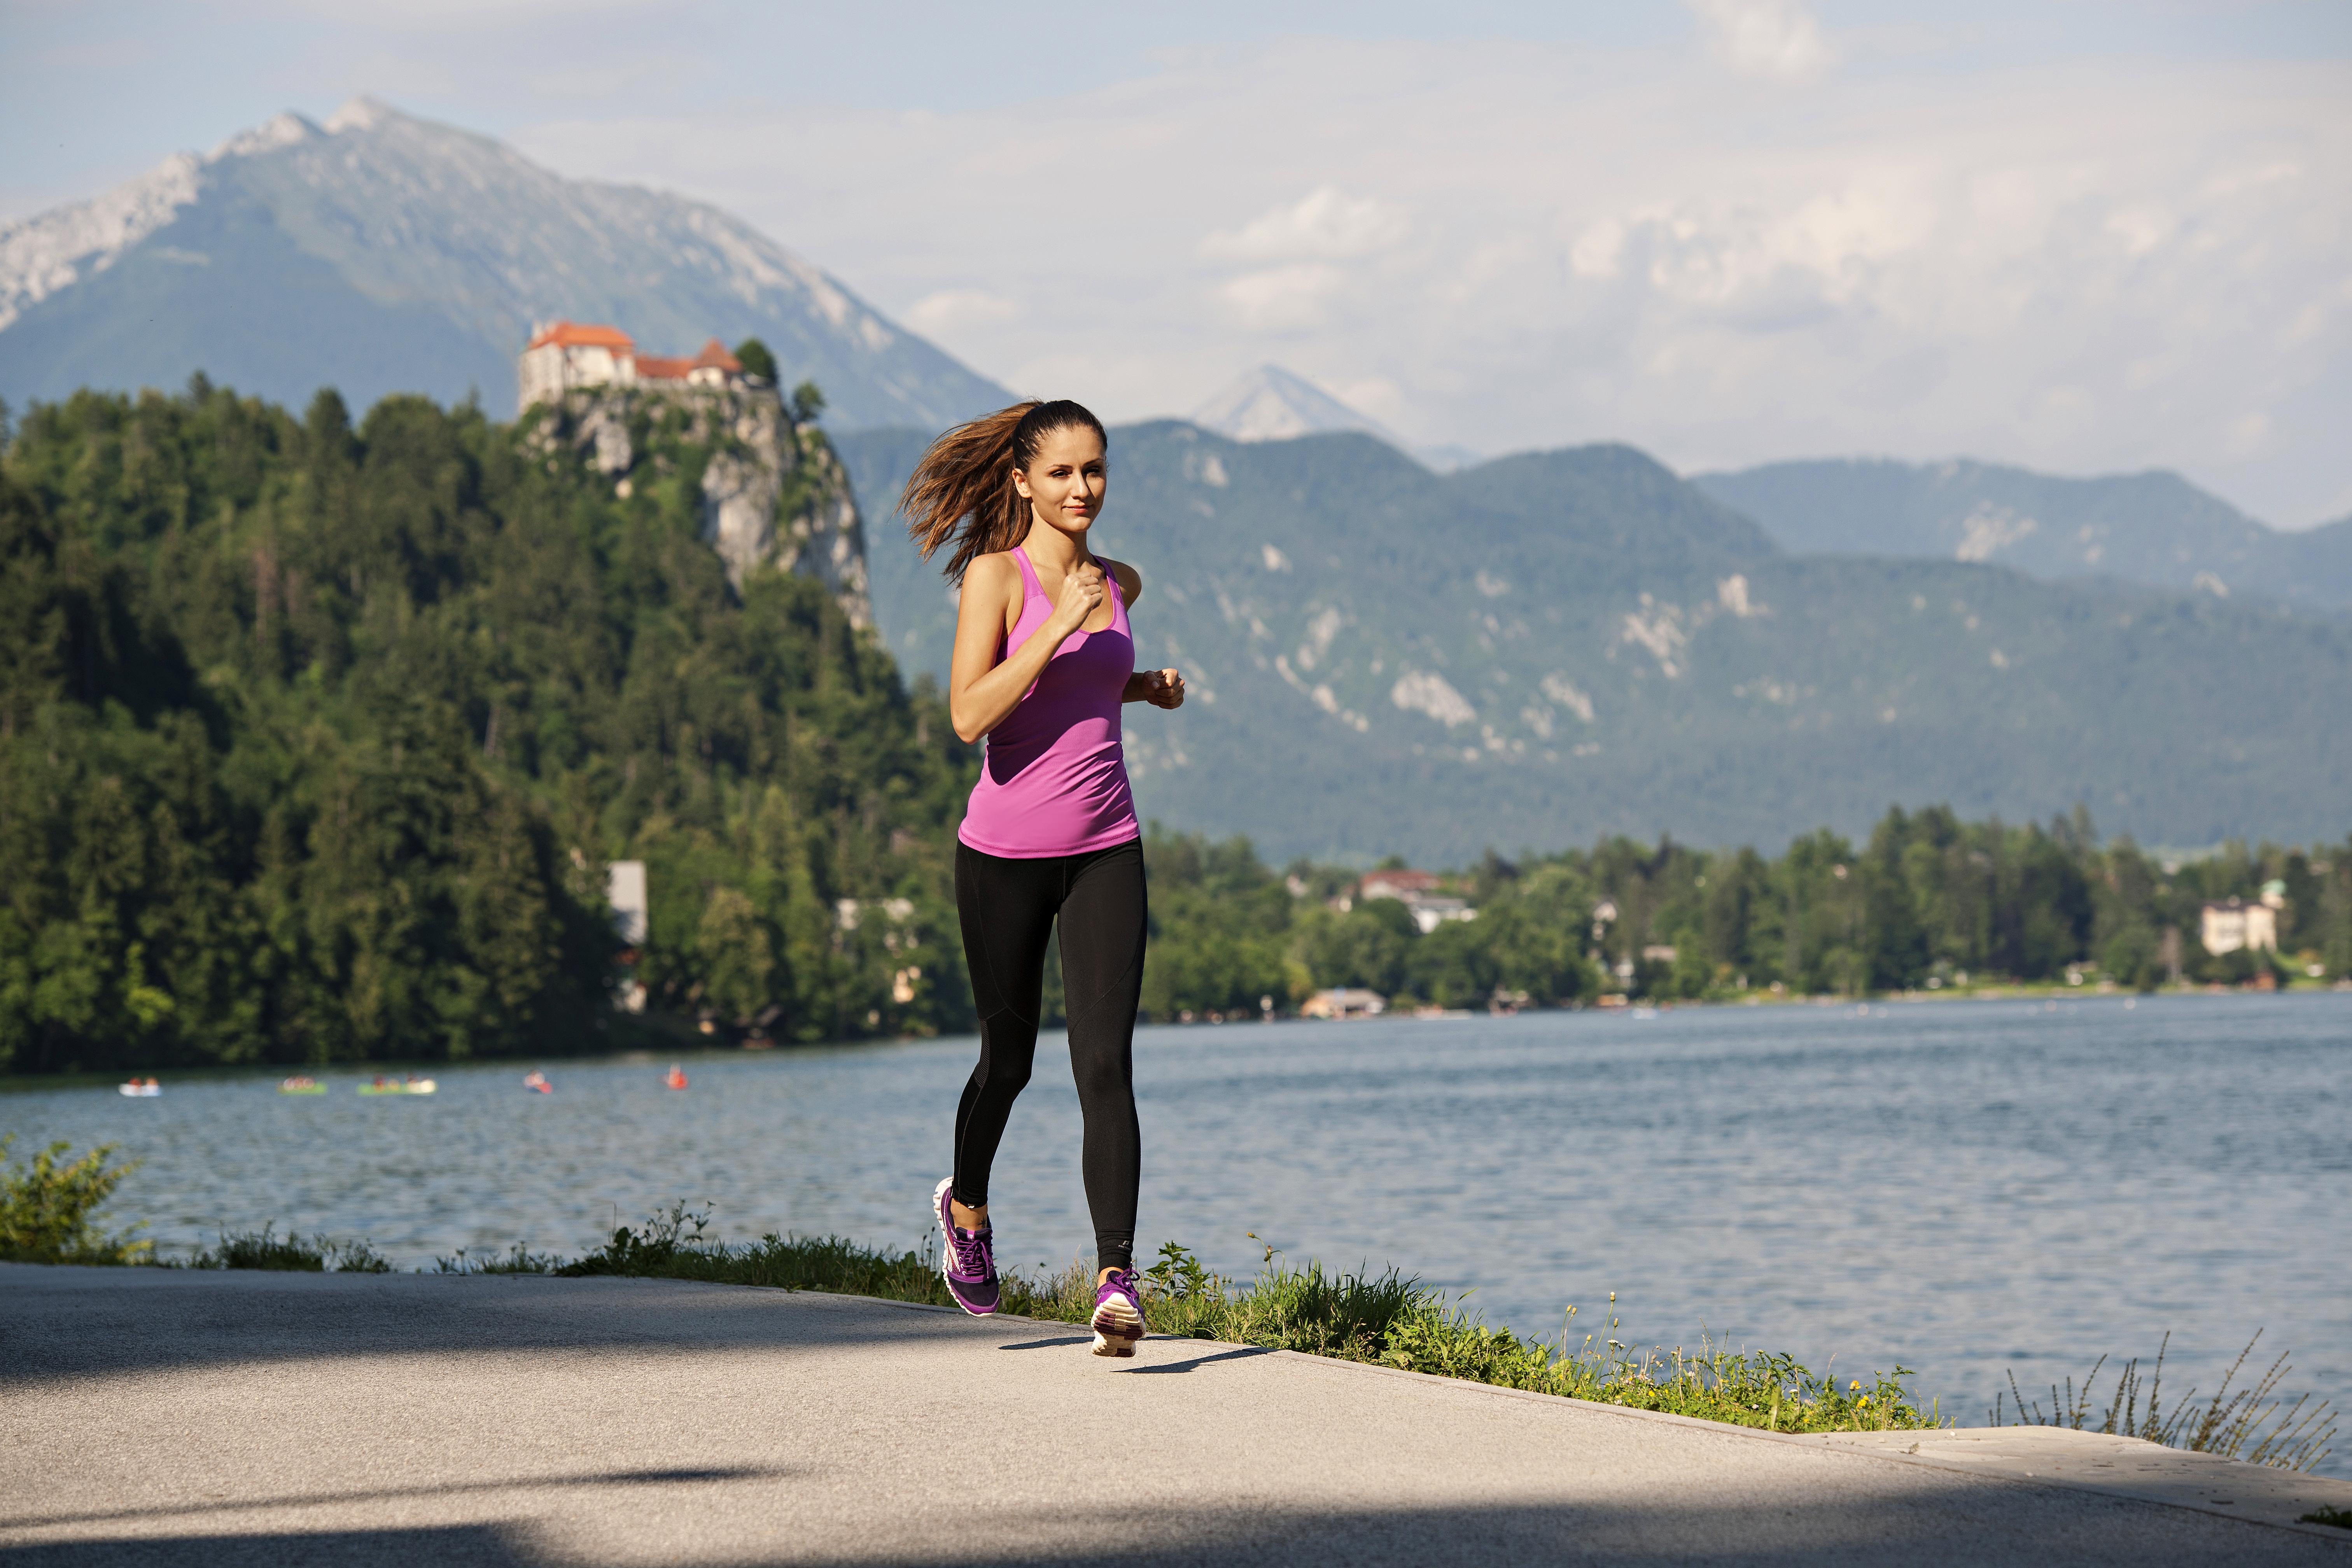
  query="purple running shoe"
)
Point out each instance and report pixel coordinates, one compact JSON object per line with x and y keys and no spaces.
{"x":1119,"y":1314}
{"x":969,"y":1263}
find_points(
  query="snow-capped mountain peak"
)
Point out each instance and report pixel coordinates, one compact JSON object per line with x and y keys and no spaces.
{"x":1271,"y":403}
{"x":380,"y":252}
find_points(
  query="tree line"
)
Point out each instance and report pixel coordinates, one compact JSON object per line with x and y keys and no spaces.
{"x":1927,"y":901}
{"x":316,"y":739}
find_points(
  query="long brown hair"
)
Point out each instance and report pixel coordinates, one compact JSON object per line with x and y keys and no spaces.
{"x":961,"y":493}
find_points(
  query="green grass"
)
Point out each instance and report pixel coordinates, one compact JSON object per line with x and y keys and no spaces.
{"x":264,"y":1249}
{"x":2341,"y":1518}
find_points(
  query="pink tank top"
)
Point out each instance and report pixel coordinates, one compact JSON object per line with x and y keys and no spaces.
{"x":1055,"y":778}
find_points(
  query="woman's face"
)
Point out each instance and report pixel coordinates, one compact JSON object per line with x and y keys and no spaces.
{"x":1065,"y":481}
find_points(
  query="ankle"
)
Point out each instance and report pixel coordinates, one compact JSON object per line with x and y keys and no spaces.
{"x":967,"y":1218}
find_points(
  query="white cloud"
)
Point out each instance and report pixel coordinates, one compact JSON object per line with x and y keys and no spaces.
{"x":951,"y":309}
{"x":2085,"y":267}
{"x":1777,"y":38}
{"x":1324,"y":224}
{"x":1284,"y":299}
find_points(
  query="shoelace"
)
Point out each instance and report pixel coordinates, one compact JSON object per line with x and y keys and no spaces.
{"x":971,"y":1252}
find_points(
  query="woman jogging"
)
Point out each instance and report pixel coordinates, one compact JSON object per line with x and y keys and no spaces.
{"x":1043,"y":664}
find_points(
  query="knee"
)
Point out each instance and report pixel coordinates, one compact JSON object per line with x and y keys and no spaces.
{"x":1105,"y":1078}
{"x":1001,"y":1072}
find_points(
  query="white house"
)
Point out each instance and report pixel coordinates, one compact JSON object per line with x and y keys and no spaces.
{"x":2232,"y":923}
{"x":1344,"y":1002}
{"x":566,"y":355}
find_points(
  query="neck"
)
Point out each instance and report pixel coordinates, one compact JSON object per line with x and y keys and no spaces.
{"x":1049,"y":546}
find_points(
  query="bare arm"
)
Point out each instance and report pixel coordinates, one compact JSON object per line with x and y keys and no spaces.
{"x":1160,"y":688}
{"x":982,"y":692}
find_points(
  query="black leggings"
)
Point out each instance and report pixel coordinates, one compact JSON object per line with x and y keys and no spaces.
{"x":1007,"y":908}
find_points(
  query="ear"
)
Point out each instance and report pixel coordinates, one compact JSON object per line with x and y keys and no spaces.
{"x":1021,"y":483}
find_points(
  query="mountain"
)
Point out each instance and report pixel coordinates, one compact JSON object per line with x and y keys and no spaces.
{"x":1552,"y":646}
{"x":383,"y":253}
{"x":2154,"y":529}
{"x":1270,"y":404}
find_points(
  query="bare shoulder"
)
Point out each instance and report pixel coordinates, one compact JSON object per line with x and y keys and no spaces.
{"x":991,"y":577}
{"x":1130,"y":580}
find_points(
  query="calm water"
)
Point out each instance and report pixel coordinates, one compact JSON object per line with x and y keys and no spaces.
{"x":1964,"y":1187}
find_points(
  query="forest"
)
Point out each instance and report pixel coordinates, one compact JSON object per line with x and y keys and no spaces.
{"x":316,"y":739}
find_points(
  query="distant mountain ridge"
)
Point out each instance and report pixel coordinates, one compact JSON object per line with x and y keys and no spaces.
{"x":1556,"y":646}
{"x":378,"y":252}
{"x":2153,"y":528}
{"x":1271,"y":403}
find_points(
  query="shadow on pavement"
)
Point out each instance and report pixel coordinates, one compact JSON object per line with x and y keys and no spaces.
{"x":65,"y":1322}
{"x":390,"y":1494}
{"x":2027,"y":1528}
{"x":1244,"y":1354}
{"x":461,"y":1545}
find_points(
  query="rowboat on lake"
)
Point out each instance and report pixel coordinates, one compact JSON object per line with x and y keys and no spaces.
{"x":399,"y":1086}
{"x":300,"y":1086}
{"x":140,"y":1088}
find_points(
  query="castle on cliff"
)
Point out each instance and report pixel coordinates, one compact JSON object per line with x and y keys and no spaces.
{"x":566,"y":355}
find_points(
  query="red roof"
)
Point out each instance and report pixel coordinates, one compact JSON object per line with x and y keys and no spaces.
{"x":583,"y":335}
{"x":714,"y":355}
{"x":662,"y":367}
{"x":1398,"y":882}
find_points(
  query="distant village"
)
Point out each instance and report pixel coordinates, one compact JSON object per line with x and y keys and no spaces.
{"x":2226,"y":925}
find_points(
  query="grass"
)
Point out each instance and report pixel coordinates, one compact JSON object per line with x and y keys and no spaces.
{"x":2341,"y":1518}
{"x":2252,"y":1424}
{"x":264,"y":1249}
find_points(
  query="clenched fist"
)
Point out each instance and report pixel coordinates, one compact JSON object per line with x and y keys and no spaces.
{"x":1160,"y":688}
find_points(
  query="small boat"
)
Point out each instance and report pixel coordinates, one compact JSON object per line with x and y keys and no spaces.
{"x":674,"y":1078}
{"x":298,"y":1085}
{"x":536,"y":1081}
{"x":410,"y":1085}
{"x":140,"y":1088}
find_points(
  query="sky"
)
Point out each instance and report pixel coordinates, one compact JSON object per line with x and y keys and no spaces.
{"x":2078,"y":235}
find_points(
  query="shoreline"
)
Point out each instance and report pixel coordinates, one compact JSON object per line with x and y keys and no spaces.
{"x":701,"y":1048}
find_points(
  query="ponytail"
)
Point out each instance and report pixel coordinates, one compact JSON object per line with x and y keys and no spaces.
{"x":961,"y":493}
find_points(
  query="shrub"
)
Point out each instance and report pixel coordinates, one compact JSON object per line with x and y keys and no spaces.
{"x":48,"y":1209}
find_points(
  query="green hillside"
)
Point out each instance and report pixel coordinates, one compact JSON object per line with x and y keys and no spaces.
{"x":1551,"y":648}
{"x":315,"y":743}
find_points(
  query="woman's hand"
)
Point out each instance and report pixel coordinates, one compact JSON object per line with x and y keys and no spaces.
{"x":1082,"y":590}
{"x":1160,"y":688}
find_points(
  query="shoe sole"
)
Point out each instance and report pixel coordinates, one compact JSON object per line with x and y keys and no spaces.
{"x":947,"y":1250}
{"x":1117,"y":1331}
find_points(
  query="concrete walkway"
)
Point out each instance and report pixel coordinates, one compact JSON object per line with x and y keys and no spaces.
{"x":150,"y":1417}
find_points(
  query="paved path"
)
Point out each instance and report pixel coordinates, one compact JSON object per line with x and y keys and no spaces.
{"x":151,"y":1416}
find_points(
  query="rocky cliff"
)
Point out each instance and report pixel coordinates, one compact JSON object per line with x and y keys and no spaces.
{"x":769,"y":489}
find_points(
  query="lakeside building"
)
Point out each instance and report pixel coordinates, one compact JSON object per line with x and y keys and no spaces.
{"x":1417,"y":892}
{"x":1344,"y":1002}
{"x":562,"y":355}
{"x":2229,"y":924}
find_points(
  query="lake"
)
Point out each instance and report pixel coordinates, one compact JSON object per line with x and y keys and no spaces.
{"x":1964,"y":1187}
